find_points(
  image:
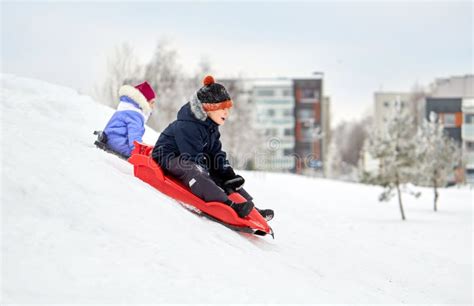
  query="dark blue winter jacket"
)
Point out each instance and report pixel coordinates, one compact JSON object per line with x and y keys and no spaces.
{"x":193,"y":136}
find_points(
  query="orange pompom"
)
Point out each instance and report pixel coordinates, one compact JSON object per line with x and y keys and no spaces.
{"x":208,"y":80}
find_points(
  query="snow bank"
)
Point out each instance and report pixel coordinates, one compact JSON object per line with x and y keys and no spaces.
{"x":77,"y":227}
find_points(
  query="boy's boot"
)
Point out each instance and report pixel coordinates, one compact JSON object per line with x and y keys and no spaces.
{"x":242,"y":209}
{"x":267,"y":214}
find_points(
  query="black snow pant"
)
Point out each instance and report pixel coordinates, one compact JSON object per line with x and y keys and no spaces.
{"x":202,"y":184}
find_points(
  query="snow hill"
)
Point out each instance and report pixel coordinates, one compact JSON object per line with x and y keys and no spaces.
{"x":78,"y":227}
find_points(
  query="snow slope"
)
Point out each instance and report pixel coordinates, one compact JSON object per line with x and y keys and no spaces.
{"x":77,"y":227}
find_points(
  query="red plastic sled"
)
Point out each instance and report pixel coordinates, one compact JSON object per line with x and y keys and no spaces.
{"x":146,"y":169}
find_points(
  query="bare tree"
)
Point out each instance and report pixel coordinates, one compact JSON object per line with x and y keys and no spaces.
{"x":166,"y":77}
{"x":348,"y":142}
{"x":122,"y":68}
{"x":204,"y":68}
{"x":240,"y":137}
{"x":334,"y":161}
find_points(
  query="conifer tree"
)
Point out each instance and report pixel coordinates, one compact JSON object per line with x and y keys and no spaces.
{"x":438,"y":155}
{"x":394,"y":148}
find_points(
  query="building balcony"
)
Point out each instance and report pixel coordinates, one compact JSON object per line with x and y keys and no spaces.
{"x":278,"y":164}
{"x":309,"y":100}
{"x":289,"y":121}
{"x":276,"y":101}
{"x":467,"y":131}
{"x":470,"y":160}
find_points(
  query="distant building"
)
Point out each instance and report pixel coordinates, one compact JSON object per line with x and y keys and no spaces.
{"x":449,"y":111}
{"x":326,"y":132}
{"x":312,"y":126}
{"x":467,"y":133}
{"x":294,"y":120}
{"x":459,"y":87}
{"x":451,"y":99}
{"x":387,"y":103}
{"x":274,"y":104}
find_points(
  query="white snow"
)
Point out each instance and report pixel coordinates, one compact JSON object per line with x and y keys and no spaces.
{"x":78,"y":227}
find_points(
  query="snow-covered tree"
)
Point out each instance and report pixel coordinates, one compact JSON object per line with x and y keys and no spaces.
{"x":165,"y":75}
{"x":348,"y":141}
{"x":240,"y":137}
{"x":162,"y":72}
{"x":204,"y":68}
{"x":416,"y":103}
{"x":438,"y":155}
{"x":395,"y":149}
{"x":122,"y":68}
{"x":334,"y":161}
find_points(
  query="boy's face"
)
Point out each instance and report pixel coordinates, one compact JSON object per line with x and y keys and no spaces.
{"x":219,"y":116}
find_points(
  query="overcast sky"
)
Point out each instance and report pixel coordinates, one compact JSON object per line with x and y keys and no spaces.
{"x":360,"y":46}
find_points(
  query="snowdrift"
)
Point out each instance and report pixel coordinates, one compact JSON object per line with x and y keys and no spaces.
{"x":78,"y":227}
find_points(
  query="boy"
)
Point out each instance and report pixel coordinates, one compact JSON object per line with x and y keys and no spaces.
{"x":190,"y":149}
{"x":128,"y":122}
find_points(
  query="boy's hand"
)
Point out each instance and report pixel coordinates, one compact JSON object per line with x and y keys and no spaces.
{"x":227,"y":174}
{"x":235,"y":183}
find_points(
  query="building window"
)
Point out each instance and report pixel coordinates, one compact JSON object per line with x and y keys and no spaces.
{"x":289,"y":132}
{"x":386,"y":104}
{"x":470,"y":175}
{"x":308,"y":93}
{"x":287,"y":152}
{"x":265,"y":93}
{"x":271,"y":132}
{"x":449,"y":120}
{"x":288,"y":113}
{"x":305,"y":153}
{"x":305,"y":114}
{"x":469,"y":118}
{"x":287,"y":93}
{"x":470,"y":146}
{"x":270,"y":112}
{"x":307,"y":134}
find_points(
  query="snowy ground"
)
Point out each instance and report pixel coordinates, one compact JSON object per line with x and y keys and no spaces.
{"x":77,"y":227}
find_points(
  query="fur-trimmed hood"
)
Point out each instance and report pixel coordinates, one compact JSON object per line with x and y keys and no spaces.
{"x":196,"y":108}
{"x":137,"y":96}
{"x":186,"y":113}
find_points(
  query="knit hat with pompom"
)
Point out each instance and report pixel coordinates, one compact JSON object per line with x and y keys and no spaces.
{"x":213,"y":96}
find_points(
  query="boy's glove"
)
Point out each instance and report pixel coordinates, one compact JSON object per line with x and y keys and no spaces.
{"x":234,"y":183}
{"x":226,"y":174}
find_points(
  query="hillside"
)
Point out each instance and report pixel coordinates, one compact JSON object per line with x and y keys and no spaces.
{"x":78,"y":227}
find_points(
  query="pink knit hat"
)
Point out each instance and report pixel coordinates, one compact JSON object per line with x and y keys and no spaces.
{"x":146,"y":90}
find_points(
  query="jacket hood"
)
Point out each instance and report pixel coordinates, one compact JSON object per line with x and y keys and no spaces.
{"x":197,"y":108}
{"x":137,"y":97}
{"x":190,"y":113}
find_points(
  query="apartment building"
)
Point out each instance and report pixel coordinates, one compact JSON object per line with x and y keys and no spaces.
{"x":293,"y":118}
{"x":467,"y":135}
{"x":386,"y":104}
{"x":451,"y":99}
{"x":311,"y":126}
{"x":274,"y":104}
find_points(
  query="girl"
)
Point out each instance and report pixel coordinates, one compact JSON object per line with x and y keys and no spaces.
{"x":128,"y":122}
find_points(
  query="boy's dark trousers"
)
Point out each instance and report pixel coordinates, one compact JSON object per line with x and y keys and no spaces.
{"x":202,"y":184}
